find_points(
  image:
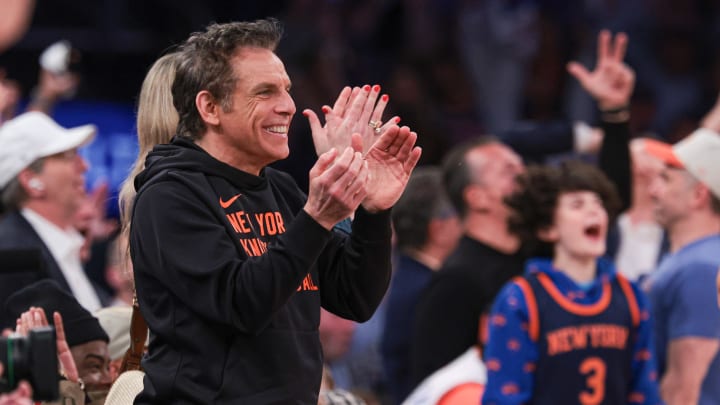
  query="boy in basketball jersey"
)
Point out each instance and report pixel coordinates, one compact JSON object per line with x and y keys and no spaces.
{"x":571,"y":330}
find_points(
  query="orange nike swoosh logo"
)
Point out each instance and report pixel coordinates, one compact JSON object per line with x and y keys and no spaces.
{"x":225,"y":204}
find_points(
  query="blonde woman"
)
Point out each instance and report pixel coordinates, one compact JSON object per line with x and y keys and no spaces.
{"x":156,"y":123}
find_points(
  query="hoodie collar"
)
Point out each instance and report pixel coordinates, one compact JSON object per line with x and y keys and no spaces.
{"x":605,"y":272}
{"x":184,"y":154}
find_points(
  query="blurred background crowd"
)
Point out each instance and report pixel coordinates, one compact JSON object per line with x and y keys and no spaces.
{"x":454,"y":70}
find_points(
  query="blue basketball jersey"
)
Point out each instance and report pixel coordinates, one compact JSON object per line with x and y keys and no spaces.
{"x":585,"y":350}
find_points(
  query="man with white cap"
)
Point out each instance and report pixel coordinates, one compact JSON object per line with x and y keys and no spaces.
{"x":686,"y":197}
{"x":42,"y":184}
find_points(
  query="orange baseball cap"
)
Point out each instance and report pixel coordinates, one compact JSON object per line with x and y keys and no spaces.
{"x":663,"y":151}
{"x":698,"y":153}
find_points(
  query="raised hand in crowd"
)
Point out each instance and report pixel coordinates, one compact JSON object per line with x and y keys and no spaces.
{"x":356,"y":111}
{"x":35,"y":318}
{"x":52,"y":87}
{"x":91,"y":219}
{"x":611,"y":83}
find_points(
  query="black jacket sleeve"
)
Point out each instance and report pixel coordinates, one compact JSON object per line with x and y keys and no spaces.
{"x":614,"y":159}
{"x":355,"y":272}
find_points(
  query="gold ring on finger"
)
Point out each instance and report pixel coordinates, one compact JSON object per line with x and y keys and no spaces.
{"x":375,"y":125}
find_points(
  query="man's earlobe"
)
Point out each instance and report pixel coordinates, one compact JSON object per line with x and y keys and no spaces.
{"x":207,"y":107}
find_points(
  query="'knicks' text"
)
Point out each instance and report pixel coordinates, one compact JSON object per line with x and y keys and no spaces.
{"x":260,"y":224}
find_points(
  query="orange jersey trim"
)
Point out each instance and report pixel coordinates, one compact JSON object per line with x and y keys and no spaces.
{"x":531,"y":302}
{"x":483,"y":331}
{"x":573,"y":307}
{"x":631,"y":299}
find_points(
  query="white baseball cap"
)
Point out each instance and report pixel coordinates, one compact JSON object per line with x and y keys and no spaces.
{"x":32,"y":136}
{"x":699,"y":154}
{"x":116,"y":322}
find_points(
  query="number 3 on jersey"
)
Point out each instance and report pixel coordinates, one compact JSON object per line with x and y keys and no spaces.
{"x":594,"y":368}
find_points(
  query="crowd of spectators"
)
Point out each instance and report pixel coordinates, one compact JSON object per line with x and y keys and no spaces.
{"x":489,"y":88}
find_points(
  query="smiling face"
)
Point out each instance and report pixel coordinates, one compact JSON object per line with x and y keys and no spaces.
{"x":255,"y":126}
{"x":579,"y":226}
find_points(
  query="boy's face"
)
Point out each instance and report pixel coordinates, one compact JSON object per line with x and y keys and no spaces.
{"x":579,"y":226}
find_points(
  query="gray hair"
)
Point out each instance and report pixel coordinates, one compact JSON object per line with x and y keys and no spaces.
{"x":14,"y":194}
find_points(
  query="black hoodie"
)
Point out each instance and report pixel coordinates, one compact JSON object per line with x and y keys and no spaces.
{"x":230,"y":275}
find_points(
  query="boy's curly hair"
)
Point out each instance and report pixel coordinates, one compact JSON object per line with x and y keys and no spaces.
{"x":533,"y":204}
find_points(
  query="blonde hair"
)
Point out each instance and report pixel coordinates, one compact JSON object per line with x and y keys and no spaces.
{"x":157,"y":122}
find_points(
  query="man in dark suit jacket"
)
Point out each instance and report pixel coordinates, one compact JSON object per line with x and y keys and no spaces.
{"x":42,"y":184}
